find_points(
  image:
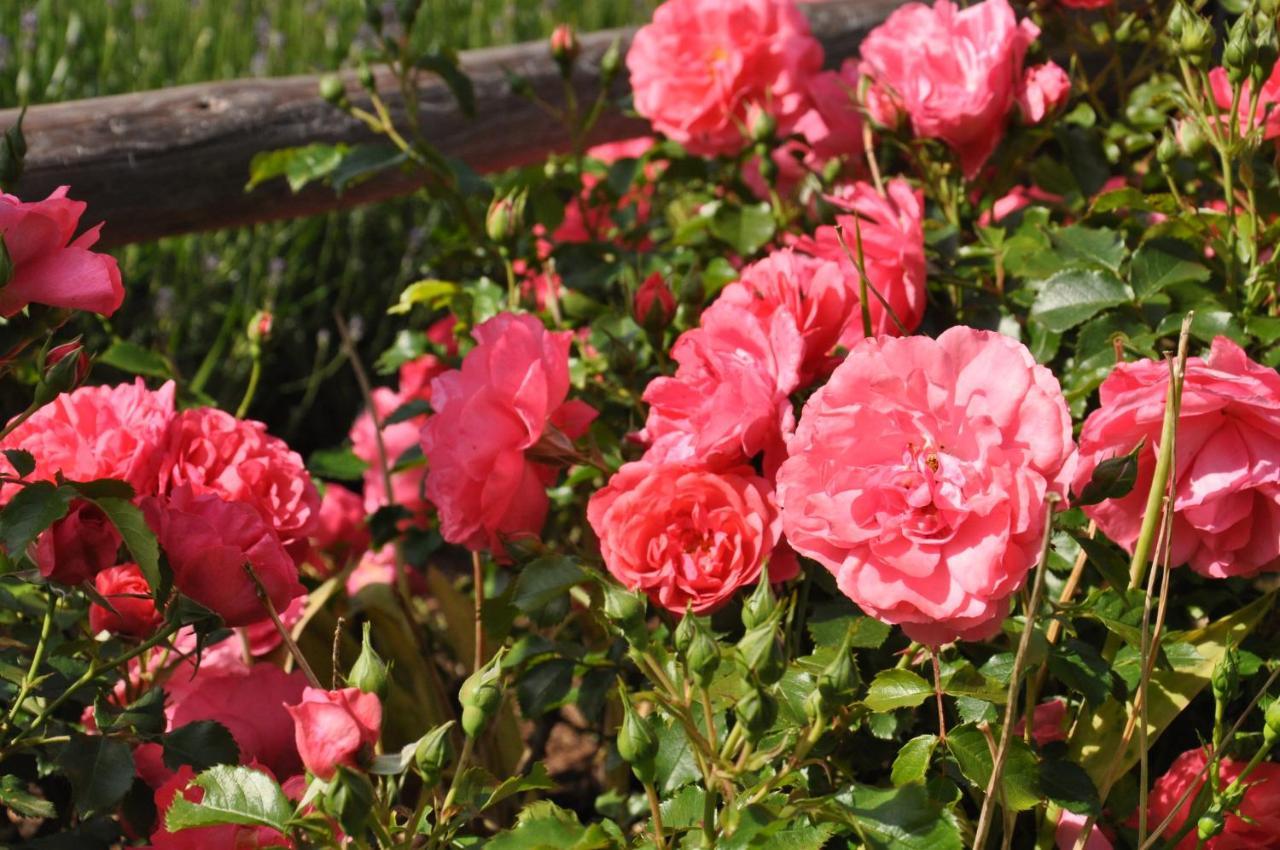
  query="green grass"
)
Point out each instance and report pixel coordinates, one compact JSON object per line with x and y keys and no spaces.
{"x":191,"y":297}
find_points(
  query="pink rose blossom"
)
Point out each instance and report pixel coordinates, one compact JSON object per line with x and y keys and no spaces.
{"x":892,"y":253}
{"x":209,"y":541}
{"x":511,"y":388}
{"x":1226,"y":518}
{"x":1254,"y":824}
{"x":1017,"y":198}
{"x":684,"y":535}
{"x":1267,"y":114}
{"x":221,"y":837}
{"x":98,"y":432}
{"x":919,"y":476}
{"x":586,"y":217}
{"x":79,"y":546}
{"x":133,"y":611}
{"x":1044,"y":88}
{"x":815,"y":292}
{"x":954,"y":72}
{"x":702,"y":64}
{"x":1070,"y":825}
{"x":212,"y":452}
{"x":51,"y":268}
{"x":728,"y":399}
{"x":335,"y":728}
{"x":832,"y":125}
{"x":341,"y":526}
{"x":1048,"y":722}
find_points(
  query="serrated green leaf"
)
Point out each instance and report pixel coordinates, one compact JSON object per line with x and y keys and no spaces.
{"x":201,"y":744}
{"x":136,"y":360}
{"x":912,"y":762}
{"x":232,"y":795}
{"x":21,"y":460}
{"x":897,"y":689}
{"x":1070,"y":787}
{"x":1096,"y":246}
{"x":1164,"y":262}
{"x":434,"y":293}
{"x":545,"y":579}
{"x":32,"y":509}
{"x":340,"y":464}
{"x":744,"y":228}
{"x":100,"y":770}
{"x":1073,"y":296}
{"x":1020,"y":780}
{"x":903,"y":818}
{"x":15,"y":796}
{"x":138,"y":537}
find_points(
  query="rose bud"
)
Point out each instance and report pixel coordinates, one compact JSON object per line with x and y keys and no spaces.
{"x":565,"y":48}
{"x":134,"y":613}
{"x":65,"y":367}
{"x":335,"y":728}
{"x":654,"y":304}
{"x":505,"y":216}
{"x":78,"y":546}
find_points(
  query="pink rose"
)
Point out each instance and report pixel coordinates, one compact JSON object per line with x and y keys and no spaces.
{"x":728,"y":399}
{"x":51,"y":268}
{"x":892,"y":253}
{"x":209,"y":541}
{"x":1017,"y":198}
{"x":919,"y":476}
{"x":78,"y":546}
{"x":250,"y":700}
{"x":954,"y":72}
{"x":654,"y":294}
{"x":586,"y":218}
{"x":134,"y":613}
{"x":815,"y":292}
{"x":832,"y":125}
{"x":1044,"y":88}
{"x":1086,"y":4}
{"x":684,"y":535}
{"x":1226,"y":519}
{"x":1266,"y":114}
{"x":341,"y":526}
{"x":701,"y":64}
{"x":222,"y":837}
{"x":335,"y":728}
{"x":212,"y":452}
{"x":1048,"y":722}
{"x":1070,"y":825}
{"x":97,"y":432}
{"x":512,"y":386}
{"x":397,"y":438}
{"x":1255,"y":824}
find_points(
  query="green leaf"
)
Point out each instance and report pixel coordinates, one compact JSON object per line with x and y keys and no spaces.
{"x":903,"y":818}
{"x":676,"y":764}
{"x":201,"y":744}
{"x":14,"y":795}
{"x":545,"y":826}
{"x":537,"y":780}
{"x":1164,"y":262}
{"x":136,"y":360}
{"x":684,"y":810}
{"x":32,"y":509}
{"x":21,"y":460}
{"x":1079,"y":666}
{"x":138,"y":537}
{"x":1020,"y":781}
{"x":912,"y":763}
{"x":544,"y":580}
{"x":1073,"y":296}
{"x":444,"y":63}
{"x":545,"y":687}
{"x":145,"y":715}
{"x":100,"y":770}
{"x":1070,"y":787}
{"x":299,"y":165}
{"x":1091,"y":245}
{"x":102,"y":488}
{"x":434,"y":293}
{"x":232,"y":794}
{"x":1112,"y":479}
{"x":339,"y":464}
{"x":1107,"y":559}
{"x":746,"y":229}
{"x":364,"y":161}
{"x":897,"y":689}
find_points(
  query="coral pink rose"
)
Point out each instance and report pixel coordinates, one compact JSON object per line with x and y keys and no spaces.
{"x":1255,"y":824}
{"x":397,"y":438}
{"x":954,"y":72}
{"x":78,"y":546}
{"x":221,"y":837}
{"x":686,"y":536}
{"x":654,"y":294}
{"x":586,"y":218}
{"x":341,"y":526}
{"x":250,"y":700}
{"x":1226,"y":519}
{"x":728,"y":399}
{"x":1044,"y":88}
{"x":209,"y":541}
{"x":892,"y":253}
{"x":702,"y":64}
{"x":919,"y":475}
{"x":51,"y":268}
{"x":832,"y":125}
{"x":816,"y":293}
{"x":98,"y":432}
{"x":212,"y":452}
{"x":1266,"y":114}
{"x":134,"y":611}
{"x":1067,"y":833}
{"x":1048,"y":722}
{"x":335,"y":728}
{"x":511,"y":389}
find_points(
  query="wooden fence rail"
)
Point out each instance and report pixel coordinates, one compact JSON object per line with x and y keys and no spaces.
{"x":176,"y":160}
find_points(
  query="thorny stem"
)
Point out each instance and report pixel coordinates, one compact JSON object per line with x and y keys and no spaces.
{"x":655,"y":806}
{"x":289,"y":642}
{"x":477,"y":577}
{"x":28,"y":681}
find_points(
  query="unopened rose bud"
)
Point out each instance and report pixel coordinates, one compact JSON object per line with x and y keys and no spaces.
{"x":565,"y":48}
{"x":1240,"y":51}
{"x":260,"y":325}
{"x":333,"y":90}
{"x":610,"y":63}
{"x":1226,"y":676}
{"x":13,"y":152}
{"x":481,"y":696}
{"x":757,"y":711}
{"x":65,"y":368}
{"x":1209,"y":825}
{"x":1267,"y":50}
{"x":760,"y":605}
{"x":1271,"y":731}
{"x":624,"y":608}
{"x":1190,"y":137}
{"x":1197,"y":40}
{"x":637,"y":743}
{"x":703,"y":657}
{"x":839,"y":678}
{"x":433,"y":753}
{"x":1167,"y":150}
{"x":1177,"y":22}
{"x":762,"y":652}
{"x":369,"y":673}
{"x":686,"y":630}
{"x":505,"y":216}
{"x":760,"y":124}
{"x":655,"y":305}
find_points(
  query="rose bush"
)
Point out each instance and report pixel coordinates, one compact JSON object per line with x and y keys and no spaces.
{"x":814,"y":467}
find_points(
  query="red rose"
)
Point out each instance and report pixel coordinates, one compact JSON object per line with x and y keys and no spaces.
{"x":335,"y":728}
{"x":1257,"y":823}
{"x":135,"y":611}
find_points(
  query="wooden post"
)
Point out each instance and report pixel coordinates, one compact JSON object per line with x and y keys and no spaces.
{"x":176,"y":160}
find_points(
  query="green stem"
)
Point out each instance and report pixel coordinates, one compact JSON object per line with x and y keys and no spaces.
{"x":28,"y":680}
{"x":255,"y":374}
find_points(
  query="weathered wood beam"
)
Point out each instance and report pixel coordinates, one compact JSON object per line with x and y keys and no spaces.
{"x":159,"y":163}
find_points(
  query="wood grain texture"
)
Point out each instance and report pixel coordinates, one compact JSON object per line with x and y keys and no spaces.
{"x":176,"y":160}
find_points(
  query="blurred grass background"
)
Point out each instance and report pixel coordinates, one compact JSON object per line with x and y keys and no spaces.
{"x":192,"y":297}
